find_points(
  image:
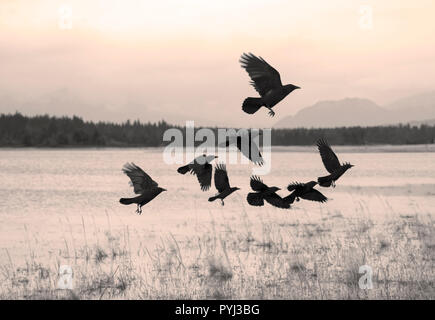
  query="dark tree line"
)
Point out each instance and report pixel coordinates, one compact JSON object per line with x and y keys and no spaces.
{"x":394,"y":135}
{"x":44,"y":131}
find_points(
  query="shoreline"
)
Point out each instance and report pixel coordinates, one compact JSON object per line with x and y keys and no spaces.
{"x":382,"y":148}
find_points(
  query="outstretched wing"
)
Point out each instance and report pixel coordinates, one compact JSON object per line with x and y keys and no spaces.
{"x":203,"y":173}
{"x":329,"y":158}
{"x":221,"y":181}
{"x":264,"y":77}
{"x":255,"y":199}
{"x":249,"y":148}
{"x":314,"y":195}
{"x":257,"y":184}
{"x":311,"y":184}
{"x":294,"y":186}
{"x":276,"y":201}
{"x":139,"y":179}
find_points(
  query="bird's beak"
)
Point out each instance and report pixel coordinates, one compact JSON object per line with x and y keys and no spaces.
{"x":164,"y":189}
{"x":296,"y":87}
{"x":215,"y":157}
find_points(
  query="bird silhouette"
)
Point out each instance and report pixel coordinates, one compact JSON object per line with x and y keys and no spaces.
{"x":143,"y":185}
{"x":332,"y":165}
{"x":267,"y":81}
{"x":222,"y":184}
{"x":247,"y":146}
{"x":305,"y":191}
{"x":263,"y":192}
{"x":201,"y":167}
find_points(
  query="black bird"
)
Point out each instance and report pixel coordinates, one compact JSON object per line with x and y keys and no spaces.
{"x":222,"y":184}
{"x":267,"y":81}
{"x":143,"y":185}
{"x":247,"y":146}
{"x":305,"y":191}
{"x":201,"y":167}
{"x":331,"y":163}
{"x":263,"y":192}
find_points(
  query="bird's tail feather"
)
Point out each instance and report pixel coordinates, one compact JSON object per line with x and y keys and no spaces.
{"x":255,"y":199}
{"x":289,"y":199}
{"x":126,"y":200}
{"x":325,"y":181}
{"x":183,"y":169}
{"x":251,"y":105}
{"x":212,"y":198}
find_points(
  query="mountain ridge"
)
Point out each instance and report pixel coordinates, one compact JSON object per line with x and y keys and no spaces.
{"x":354,"y":111}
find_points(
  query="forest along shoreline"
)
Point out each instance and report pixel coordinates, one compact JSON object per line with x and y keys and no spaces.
{"x":17,"y":130}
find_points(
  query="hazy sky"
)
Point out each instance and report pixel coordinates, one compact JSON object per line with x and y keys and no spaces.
{"x":178,"y":59}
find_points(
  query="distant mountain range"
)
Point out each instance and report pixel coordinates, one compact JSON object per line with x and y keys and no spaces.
{"x":65,"y":102}
{"x":349,"y":112}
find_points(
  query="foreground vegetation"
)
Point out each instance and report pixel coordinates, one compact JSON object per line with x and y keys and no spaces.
{"x":280,"y":256}
{"x":44,"y":131}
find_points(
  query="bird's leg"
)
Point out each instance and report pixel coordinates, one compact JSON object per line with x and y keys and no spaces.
{"x":139,"y":209}
{"x":333,"y":183}
{"x":297,"y":199}
{"x":271,"y":112}
{"x":222,"y":202}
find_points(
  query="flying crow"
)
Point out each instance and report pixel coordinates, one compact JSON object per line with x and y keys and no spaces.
{"x":222,"y":184}
{"x":247,"y":146}
{"x":267,"y":81}
{"x":305,"y":191}
{"x":201,"y":167}
{"x":332,"y":164}
{"x":263,"y":192}
{"x":143,"y":185}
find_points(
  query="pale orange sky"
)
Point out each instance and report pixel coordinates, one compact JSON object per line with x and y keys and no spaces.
{"x":178,"y":60}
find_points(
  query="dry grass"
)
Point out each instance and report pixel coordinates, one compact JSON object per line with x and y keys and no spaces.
{"x":268,"y":255}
